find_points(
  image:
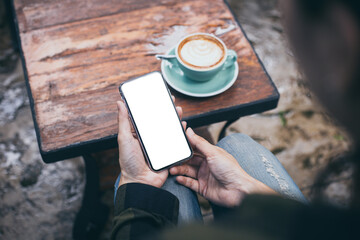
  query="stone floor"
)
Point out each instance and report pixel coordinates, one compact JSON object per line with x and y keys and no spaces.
{"x":39,"y":201}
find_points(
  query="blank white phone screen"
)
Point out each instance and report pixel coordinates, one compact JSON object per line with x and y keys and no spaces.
{"x":156,"y":120}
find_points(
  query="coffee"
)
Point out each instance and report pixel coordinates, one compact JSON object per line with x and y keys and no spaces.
{"x":200,"y":56}
{"x":201,"y":51}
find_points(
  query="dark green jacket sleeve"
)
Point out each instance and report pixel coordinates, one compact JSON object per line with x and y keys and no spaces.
{"x":142,"y":210}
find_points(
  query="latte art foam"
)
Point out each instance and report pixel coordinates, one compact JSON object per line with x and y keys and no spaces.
{"x":201,"y":53}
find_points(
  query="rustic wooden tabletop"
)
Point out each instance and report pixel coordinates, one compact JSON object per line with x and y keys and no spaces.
{"x":76,"y":53}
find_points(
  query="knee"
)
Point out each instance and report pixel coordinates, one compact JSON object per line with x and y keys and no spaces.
{"x":240,"y":142}
{"x":236,"y":138}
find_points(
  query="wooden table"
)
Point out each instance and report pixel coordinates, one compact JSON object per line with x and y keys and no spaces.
{"x":76,"y":53}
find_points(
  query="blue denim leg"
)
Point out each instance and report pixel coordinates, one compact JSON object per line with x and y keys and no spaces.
{"x":116,"y":186}
{"x":261,"y":164}
{"x":189,"y":209}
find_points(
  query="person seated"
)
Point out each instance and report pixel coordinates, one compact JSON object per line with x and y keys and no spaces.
{"x":251,"y":194}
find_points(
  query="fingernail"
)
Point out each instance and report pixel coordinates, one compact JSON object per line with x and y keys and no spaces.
{"x":178,"y":179}
{"x":118,"y":104}
{"x":191,"y":132}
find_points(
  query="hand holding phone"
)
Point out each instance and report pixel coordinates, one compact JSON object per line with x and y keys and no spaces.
{"x":132,"y":161}
{"x":160,"y":135}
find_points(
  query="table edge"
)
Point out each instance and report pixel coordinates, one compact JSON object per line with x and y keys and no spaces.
{"x":252,"y":47}
{"x":108,"y":142}
{"x":26,"y":77}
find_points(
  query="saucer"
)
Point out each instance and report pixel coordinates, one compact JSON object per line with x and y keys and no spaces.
{"x":178,"y":81}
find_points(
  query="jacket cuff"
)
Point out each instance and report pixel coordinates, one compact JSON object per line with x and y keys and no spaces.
{"x":147,"y":198}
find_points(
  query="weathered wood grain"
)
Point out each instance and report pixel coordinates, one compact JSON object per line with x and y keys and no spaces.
{"x":78,"y":52}
{"x":36,"y":14}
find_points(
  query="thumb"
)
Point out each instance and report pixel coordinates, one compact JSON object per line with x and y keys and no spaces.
{"x":200,"y":144}
{"x":123,"y":121}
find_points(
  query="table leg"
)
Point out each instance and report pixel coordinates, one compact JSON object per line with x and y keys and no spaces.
{"x":227,"y":124}
{"x":11,"y":21}
{"x":93,"y":214}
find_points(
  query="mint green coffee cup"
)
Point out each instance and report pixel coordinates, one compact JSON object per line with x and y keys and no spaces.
{"x":201,"y":56}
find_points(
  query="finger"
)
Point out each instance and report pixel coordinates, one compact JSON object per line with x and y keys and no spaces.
{"x":123,"y":122}
{"x":185,"y":170}
{"x":173,"y":98}
{"x":200,"y":144}
{"x":179,"y":111}
{"x":133,"y":132}
{"x":189,"y":182}
{"x":183,"y":123}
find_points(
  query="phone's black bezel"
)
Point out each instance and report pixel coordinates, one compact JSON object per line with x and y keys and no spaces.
{"x":136,"y":129}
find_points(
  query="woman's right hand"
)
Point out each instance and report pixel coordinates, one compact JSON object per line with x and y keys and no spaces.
{"x":216,"y":175}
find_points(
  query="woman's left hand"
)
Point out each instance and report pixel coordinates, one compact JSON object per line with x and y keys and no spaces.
{"x":134,"y":167}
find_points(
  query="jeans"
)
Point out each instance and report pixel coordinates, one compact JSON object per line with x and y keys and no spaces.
{"x":255,"y":159}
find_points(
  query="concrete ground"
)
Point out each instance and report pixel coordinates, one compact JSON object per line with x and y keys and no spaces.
{"x":39,"y":201}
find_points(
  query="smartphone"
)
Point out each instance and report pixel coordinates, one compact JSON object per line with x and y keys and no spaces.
{"x":155,"y":120}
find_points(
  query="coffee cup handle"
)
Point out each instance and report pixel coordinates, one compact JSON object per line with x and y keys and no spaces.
{"x":172,"y":60}
{"x":174,"y":64}
{"x":230,"y":59}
